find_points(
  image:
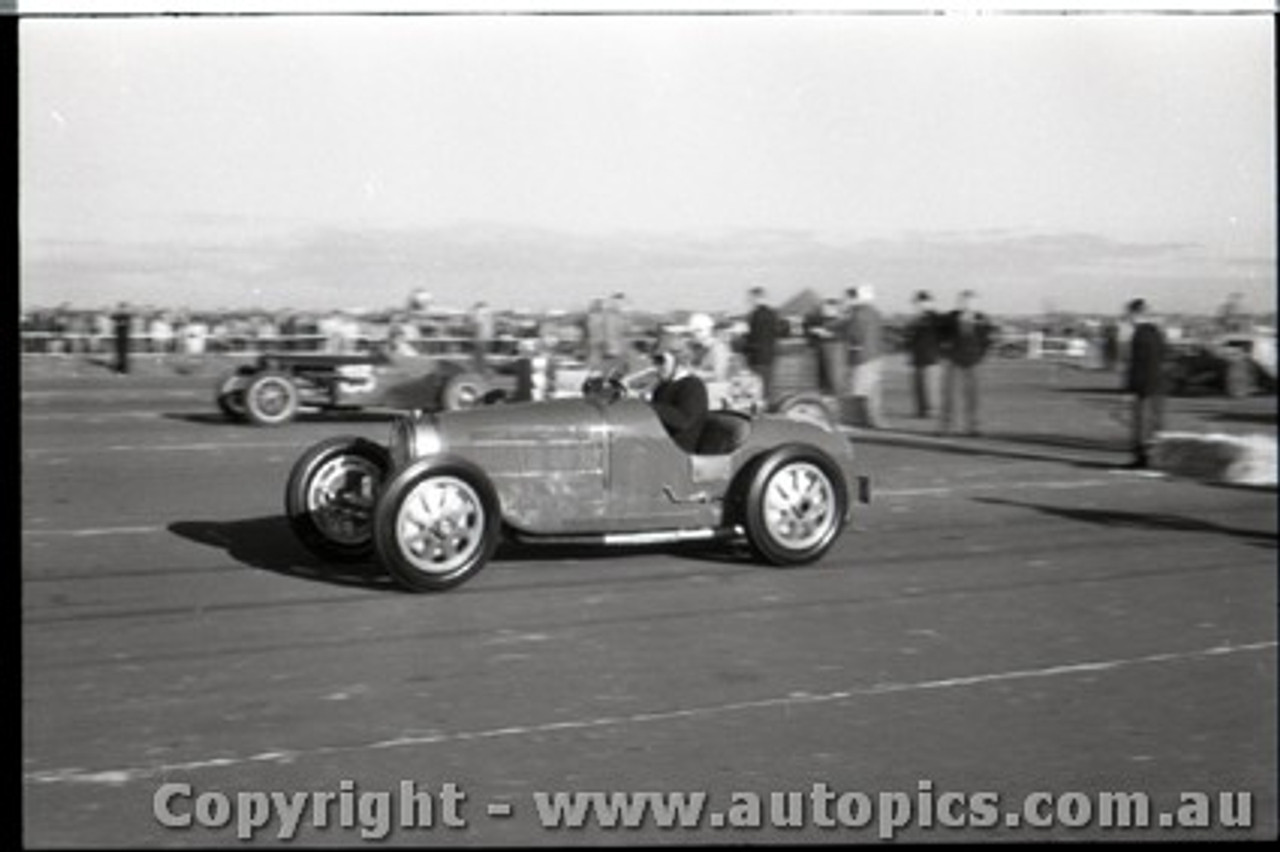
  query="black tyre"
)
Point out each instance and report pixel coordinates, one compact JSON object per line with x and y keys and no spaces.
{"x":436,"y":525}
{"x":793,"y":505}
{"x":270,"y":399}
{"x":331,"y":494}
{"x":807,"y":407}
{"x":230,"y":396}
{"x":465,"y":390}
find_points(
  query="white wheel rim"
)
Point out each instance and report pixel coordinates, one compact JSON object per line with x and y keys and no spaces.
{"x":340,"y":499}
{"x":468,"y":396}
{"x":272,"y":398}
{"x":440,"y":525}
{"x":799,"y":506}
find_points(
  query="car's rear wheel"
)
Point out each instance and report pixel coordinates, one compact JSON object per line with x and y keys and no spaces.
{"x":795,"y":505}
{"x":271,"y":399}
{"x":330,"y":496}
{"x":436,"y":525}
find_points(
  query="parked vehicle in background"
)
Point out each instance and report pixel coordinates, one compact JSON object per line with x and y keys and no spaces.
{"x":277,"y":386}
{"x":1236,"y":364}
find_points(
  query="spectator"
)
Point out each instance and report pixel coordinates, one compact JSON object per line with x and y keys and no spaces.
{"x":195,"y":334}
{"x":615,"y":328}
{"x":1145,"y":380}
{"x":817,"y":329}
{"x":761,"y":344}
{"x":482,"y":329}
{"x":965,"y":338}
{"x":122,"y":321}
{"x":923,"y":352}
{"x":594,"y":334}
{"x":862,"y":337}
{"x":710,"y":358}
{"x":161,"y":333}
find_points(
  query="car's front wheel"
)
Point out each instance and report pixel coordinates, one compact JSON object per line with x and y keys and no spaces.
{"x":436,"y":525}
{"x":330,"y":496}
{"x":230,"y":396}
{"x":795,"y":506}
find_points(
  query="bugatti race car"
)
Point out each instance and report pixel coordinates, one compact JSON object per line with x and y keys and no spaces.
{"x":274,"y":388}
{"x":432,"y":504}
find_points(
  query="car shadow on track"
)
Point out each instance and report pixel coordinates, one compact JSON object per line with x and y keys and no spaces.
{"x":1160,"y":521}
{"x":269,"y":544}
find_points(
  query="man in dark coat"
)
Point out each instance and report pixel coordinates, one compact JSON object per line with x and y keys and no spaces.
{"x":923,"y":350}
{"x":122,"y":322}
{"x":965,"y":336}
{"x":761,"y":344}
{"x":680,"y":400}
{"x":1145,"y":380}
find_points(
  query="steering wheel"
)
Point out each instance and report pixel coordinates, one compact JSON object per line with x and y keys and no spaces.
{"x":609,"y":388}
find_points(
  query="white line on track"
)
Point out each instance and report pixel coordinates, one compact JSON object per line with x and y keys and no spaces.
{"x":794,"y":699}
{"x":202,"y":447}
{"x":92,"y":531}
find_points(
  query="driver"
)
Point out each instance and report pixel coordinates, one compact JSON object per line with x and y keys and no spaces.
{"x":680,"y":399}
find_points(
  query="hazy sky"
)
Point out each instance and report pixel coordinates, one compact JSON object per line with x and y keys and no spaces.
{"x":1046,"y":160}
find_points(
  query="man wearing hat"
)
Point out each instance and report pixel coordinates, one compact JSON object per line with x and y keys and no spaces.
{"x":922,"y":349}
{"x":1145,"y":380}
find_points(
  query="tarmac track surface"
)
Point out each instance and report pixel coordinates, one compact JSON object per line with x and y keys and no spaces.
{"x":1003,"y":618}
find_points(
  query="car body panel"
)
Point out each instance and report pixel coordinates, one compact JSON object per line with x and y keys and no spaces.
{"x":586,"y":465}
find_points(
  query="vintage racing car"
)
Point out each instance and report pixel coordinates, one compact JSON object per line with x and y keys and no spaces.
{"x":599,"y":469}
{"x":276,"y":386}
{"x":1236,"y":364}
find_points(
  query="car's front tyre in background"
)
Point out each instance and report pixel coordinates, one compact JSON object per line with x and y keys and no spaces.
{"x":436,"y":524}
{"x":794,"y":505}
{"x":230,"y":396}
{"x":331,"y":494}
{"x":271,"y":399}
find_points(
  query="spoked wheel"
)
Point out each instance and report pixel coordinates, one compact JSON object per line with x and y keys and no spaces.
{"x":331,"y":494}
{"x":796,"y":504}
{"x":435,"y":527}
{"x":463,"y":391}
{"x":271,"y":399}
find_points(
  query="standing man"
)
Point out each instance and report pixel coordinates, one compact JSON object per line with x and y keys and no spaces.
{"x":482,"y":330}
{"x":614,"y":330}
{"x":862,"y":334}
{"x":1145,"y":380}
{"x":922,"y":347}
{"x":965,"y":338}
{"x":761,"y":344}
{"x":122,"y":322}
